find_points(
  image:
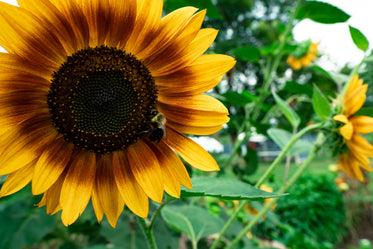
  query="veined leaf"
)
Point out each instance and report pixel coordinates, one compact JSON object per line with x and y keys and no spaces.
{"x":322,"y":12}
{"x":289,"y":113}
{"x":194,"y":221}
{"x":282,"y":138}
{"x":320,"y":103}
{"x":359,"y":38}
{"x":225,"y":188}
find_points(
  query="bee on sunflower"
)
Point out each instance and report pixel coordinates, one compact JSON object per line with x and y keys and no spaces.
{"x":79,"y":88}
{"x":353,"y":149}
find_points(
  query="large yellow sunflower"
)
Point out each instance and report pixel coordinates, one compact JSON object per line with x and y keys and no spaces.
{"x":85,"y":92}
{"x":358,"y":150}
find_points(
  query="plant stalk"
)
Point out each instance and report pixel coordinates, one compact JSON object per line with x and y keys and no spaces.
{"x":148,"y":233}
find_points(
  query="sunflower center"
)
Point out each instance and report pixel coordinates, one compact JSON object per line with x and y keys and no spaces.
{"x":101,"y":99}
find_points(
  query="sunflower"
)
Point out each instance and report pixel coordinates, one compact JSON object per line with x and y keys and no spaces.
{"x":95,"y":98}
{"x":305,"y":59}
{"x":356,"y":150}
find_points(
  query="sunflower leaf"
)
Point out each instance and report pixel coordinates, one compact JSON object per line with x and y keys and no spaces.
{"x":247,"y":53}
{"x":289,"y":113}
{"x":228,"y":189}
{"x":321,"y":12}
{"x":282,"y":138}
{"x":359,"y":38}
{"x":194,"y":221}
{"x":320,"y":103}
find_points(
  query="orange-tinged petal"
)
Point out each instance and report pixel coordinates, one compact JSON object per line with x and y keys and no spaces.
{"x":171,"y":179}
{"x":170,"y":27}
{"x":355,"y":147}
{"x":177,"y":164}
{"x":194,"y":130}
{"x":190,"y":151}
{"x":362,"y":124}
{"x":53,"y":195}
{"x":17,"y":180}
{"x":341,"y":118}
{"x":99,"y":212}
{"x":54,"y":20}
{"x":50,"y":165}
{"x":145,"y":167}
{"x":199,"y":110}
{"x":131,"y":191}
{"x":23,"y":34}
{"x":347,"y":130}
{"x":191,"y":89}
{"x":364,"y":161}
{"x":205,"y":68}
{"x":353,"y":102}
{"x":149,"y":14}
{"x":43,"y":201}
{"x":77,"y":187}
{"x":107,"y":191}
{"x":178,"y":53}
{"x":355,"y":169}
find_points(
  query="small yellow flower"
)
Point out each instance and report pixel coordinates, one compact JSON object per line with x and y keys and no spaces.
{"x":359,"y":150}
{"x":305,"y":60}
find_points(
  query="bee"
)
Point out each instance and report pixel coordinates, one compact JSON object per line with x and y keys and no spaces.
{"x":158,"y":126}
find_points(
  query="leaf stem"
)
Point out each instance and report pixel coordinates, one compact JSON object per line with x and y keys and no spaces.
{"x":148,"y":233}
{"x":264,"y":177}
{"x":283,"y":189}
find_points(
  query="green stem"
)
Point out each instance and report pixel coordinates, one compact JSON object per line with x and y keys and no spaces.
{"x":264,"y":177}
{"x":283,"y":189}
{"x":276,"y":62}
{"x":156,"y":214}
{"x":148,"y":233}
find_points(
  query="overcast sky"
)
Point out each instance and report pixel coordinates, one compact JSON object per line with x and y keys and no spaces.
{"x":335,"y":40}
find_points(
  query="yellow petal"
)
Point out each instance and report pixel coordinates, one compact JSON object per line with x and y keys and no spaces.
{"x":353,"y":102}
{"x":191,"y":152}
{"x":175,"y":90}
{"x":50,"y":165}
{"x":77,"y":187}
{"x":355,"y":169}
{"x":107,"y":191}
{"x":53,"y":195}
{"x":341,"y":118}
{"x":132,"y":193}
{"x":362,"y":124}
{"x":177,"y":165}
{"x":171,"y":26}
{"x":171,"y":179}
{"x":203,"y":69}
{"x":149,"y":14}
{"x":145,"y":168}
{"x":194,"y":130}
{"x":99,"y":212}
{"x":353,"y":85}
{"x":56,"y":22}
{"x":347,"y":130}
{"x":198,"y":110}
{"x":187,"y":47}
{"x":17,"y":180}
{"x":23,"y":34}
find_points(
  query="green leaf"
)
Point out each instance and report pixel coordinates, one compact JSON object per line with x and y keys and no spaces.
{"x":368,"y":111}
{"x":22,"y":224}
{"x":212,"y":12}
{"x":224,"y":188}
{"x":359,"y":39}
{"x":247,"y":53}
{"x":102,"y":247}
{"x":282,"y":138}
{"x":295,"y":87}
{"x":321,"y":12}
{"x":289,"y":113}
{"x":320,"y":103}
{"x":194,"y":221}
{"x":239,"y":99}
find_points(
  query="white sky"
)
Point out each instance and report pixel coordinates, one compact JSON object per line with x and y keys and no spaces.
{"x":335,"y":40}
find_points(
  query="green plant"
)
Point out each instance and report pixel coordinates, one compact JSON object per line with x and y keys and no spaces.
{"x":312,"y":216}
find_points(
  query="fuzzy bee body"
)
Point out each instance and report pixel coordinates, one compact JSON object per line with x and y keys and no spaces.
{"x":158,"y":127}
